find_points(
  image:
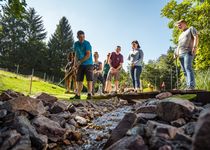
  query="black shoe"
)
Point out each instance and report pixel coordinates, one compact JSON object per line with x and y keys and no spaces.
{"x":89,"y":96}
{"x":75,"y":97}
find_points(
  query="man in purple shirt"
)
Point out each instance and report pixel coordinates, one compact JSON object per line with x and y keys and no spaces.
{"x":115,"y":61}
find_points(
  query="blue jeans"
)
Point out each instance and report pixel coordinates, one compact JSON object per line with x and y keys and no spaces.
{"x":186,"y":61}
{"x":135,"y":75}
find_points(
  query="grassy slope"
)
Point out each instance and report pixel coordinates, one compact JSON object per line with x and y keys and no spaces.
{"x":21,"y":84}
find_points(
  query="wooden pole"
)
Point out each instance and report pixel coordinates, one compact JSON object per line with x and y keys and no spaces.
{"x":31,"y":81}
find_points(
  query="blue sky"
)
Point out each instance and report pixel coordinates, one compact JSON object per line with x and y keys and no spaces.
{"x":108,"y":23}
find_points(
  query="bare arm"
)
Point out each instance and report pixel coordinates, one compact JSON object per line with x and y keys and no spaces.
{"x":195,"y":44}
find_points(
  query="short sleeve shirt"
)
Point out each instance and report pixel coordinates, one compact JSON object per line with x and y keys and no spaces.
{"x":96,"y":65}
{"x":185,"y":43}
{"x":116,"y":59}
{"x":81,"y":49}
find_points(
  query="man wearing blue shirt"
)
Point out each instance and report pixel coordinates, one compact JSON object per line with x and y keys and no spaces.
{"x":84,"y":63}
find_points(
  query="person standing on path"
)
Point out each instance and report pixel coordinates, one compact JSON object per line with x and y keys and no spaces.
{"x":186,"y":51}
{"x":135,"y":59}
{"x":97,"y":72}
{"x":115,"y":61}
{"x":84,"y":64}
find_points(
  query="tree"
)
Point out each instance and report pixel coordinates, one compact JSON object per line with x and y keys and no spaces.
{"x":59,"y":45}
{"x":35,"y":48}
{"x":197,"y":14}
{"x":12,"y":38}
{"x":17,"y":7}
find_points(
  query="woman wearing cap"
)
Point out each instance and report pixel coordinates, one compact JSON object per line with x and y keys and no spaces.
{"x":135,"y":59}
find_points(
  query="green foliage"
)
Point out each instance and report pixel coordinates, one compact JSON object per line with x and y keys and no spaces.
{"x":17,"y":7}
{"x":59,"y":45}
{"x":161,"y":70}
{"x":197,"y":14}
{"x":21,"y":84}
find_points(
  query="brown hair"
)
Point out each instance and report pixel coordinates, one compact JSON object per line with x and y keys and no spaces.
{"x":71,"y":56}
{"x":136,"y":42}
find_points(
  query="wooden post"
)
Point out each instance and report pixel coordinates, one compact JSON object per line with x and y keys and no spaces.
{"x":31,"y":81}
{"x":17,"y":71}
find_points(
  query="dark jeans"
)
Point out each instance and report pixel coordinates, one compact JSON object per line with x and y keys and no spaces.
{"x":186,"y":61}
{"x":135,"y":75}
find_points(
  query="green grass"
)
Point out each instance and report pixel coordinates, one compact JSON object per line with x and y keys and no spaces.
{"x":186,"y":96}
{"x":21,"y":84}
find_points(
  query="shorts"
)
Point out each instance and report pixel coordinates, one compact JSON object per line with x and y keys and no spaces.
{"x":85,"y":70}
{"x":115,"y":75}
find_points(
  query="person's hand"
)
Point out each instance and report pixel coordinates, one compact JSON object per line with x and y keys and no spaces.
{"x":132,"y":65}
{"x":175,"y":56}
{"x":194,"y":51}
{"x":113,"y":70}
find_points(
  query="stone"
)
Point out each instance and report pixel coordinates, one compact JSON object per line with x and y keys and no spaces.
{"x":137,"y":130}
{"x":178,"y":123}
{"x":3,"y":113}
{"x":81,"y":121}
{"x":48,"y":127}
{"x":122,"y":128}
{"x":129,"y":143}
{"x":175,"y":108}
{"x":23,"y":144}
{"x":164,"y":95}
{"x":22,"y":125}
{"x":32,"y":106}
{"x":58,"y":119}
{"x":148,"y":116}
{"x":147,"y":109}
{"x":74,"y":136}
{"x":72,"y":109}
{"x":47,"y":99}
{"x":154,"y":128}
{"x":9,"y":94}
{"x":58,"y":107}
{"x":201,"y":136}
{"x":189,"y":128}
{"x":10,"y":138}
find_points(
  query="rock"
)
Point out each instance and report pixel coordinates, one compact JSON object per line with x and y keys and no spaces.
{"x":161,"y":130}
{"x":137,"y":130}
{"x":147,"y":109}
{"x":163,"y":95}
{"x":58,"y":107}
{"x":148,"y":116}
{"x":165,"y":147}
{"x":81,"y":121}
{"x":23,"y":144}
{"x":189,"y":128}
{"x":9,"y":94}
{"x":57,"y":119}
{"x":3,"y":113}
{"x":10,"y":138}
{"x":74,"y":136}
{"x":47,"y":99}
{"x":72,"y":109}
{"x":178,"y":123}
{"x":129,"y":143}
{"x":49,"y":128}
{"x":120,"y":131}
{"x":32,"y":106}
{"x":201,"y":136}
{"x":22,"y":125}
{"x":174,"y":108}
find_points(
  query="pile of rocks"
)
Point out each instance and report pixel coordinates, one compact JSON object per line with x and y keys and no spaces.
{"x":166,"y":124}
{"x":44,"y":122}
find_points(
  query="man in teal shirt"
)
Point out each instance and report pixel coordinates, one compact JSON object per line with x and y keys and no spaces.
{"x":84,"y":63}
